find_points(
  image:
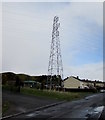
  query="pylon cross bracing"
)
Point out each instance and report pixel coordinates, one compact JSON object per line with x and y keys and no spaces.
{"x":55,"y":66}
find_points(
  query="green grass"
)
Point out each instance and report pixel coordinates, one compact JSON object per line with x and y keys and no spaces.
{"x":59,"y":95}
{"x":55,"y":94}
{"x":9,"y":87}
{"x":5,"y":107}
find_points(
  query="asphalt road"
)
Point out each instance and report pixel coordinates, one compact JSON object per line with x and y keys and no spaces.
{"x":89,"y":108}
{"x":22,"y":103}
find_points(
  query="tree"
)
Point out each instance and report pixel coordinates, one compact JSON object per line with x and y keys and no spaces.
{"x":18,"y":83}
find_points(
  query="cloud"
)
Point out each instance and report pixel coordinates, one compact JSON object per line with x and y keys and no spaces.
{"x":27,"y":29}
{"x":91,"y":71}
{"x":24,"y":43}
{"x":0,"y":36}
{"x":52,"y":0}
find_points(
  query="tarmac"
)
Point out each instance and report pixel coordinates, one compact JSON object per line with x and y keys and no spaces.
{"x":102,"y":117}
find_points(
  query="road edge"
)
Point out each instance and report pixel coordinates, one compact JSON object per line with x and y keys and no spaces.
{"x":39,"y":108}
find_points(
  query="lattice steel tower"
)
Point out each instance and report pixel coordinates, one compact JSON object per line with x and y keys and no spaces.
{"x":55,"y":60}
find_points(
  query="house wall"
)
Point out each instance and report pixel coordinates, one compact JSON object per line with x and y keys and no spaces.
{"x":82,"y":84}
{"x":75,"y":83}
{"x":88,"y":83}
{"x":100,"y":84}
{"x":71,"y":83}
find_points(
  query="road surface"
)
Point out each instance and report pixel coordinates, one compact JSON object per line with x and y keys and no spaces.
{"x":89,"y":108}
{"x":22,"y":103}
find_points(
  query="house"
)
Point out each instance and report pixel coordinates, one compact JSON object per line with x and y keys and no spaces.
{"x":99,"y":84}
{"x":29,"y":83}
{"x":72,"y":82}
{"x":75,"y":83}
{"x":87,"y":83}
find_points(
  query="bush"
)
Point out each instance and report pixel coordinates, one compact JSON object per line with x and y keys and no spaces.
{"x":11,"y":88}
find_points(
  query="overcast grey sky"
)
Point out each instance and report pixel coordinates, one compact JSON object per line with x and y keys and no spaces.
{"x":27,"y":29}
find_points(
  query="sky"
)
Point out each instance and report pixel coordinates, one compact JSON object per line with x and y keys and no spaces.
{"x":0,"y":36}
{"x":52,"y":0}
{"x":27,"y":30}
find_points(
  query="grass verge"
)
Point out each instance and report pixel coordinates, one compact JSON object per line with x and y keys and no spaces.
{"x":5,"y":107}
{"x":59,"y":95}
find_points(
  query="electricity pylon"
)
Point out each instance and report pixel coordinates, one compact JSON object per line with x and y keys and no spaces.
{"x":55,"y":67}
